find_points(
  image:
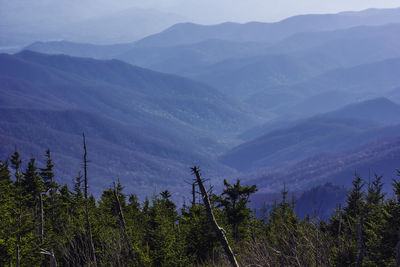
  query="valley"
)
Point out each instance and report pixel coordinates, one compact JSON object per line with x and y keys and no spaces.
{"x":246,"y":100}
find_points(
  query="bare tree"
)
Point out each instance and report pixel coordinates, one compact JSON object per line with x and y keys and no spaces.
{"x":220,"y":231}
{"x":52,"y":258}
{"x":88,"y":228}
{"x":193,"y":194}
{"x":122,"y":219}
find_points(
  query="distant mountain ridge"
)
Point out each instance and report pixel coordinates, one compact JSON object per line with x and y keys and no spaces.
{"x":127,"y":88}
{"x":56,"y":21}
{"x":343,"y":129}
{"x":264,"y":74}
{"x":380,"y":157}
{"x":79,"y":49}
{"x":186,"y":33}
{"x":380,"y":110}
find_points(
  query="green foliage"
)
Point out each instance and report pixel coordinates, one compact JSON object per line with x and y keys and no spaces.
{"x":127,"y":232}
{"x":234,"y":200}
{"x":200,"y":239}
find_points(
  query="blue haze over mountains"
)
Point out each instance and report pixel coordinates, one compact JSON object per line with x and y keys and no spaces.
{"x":307,"y":100}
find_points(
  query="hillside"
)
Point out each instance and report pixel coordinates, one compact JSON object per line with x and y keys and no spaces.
{"x":136,"y":155}
{"x":251,"y":66}
{"x":380,"y":157}
{"x":343,"y":129}
{"x":304,"y":139}
{"x":299,"y":58}
{"x":79,"y":49}
{"x":380,"y":110}
{"x":332,"y":89}
{"x":158,"y":123}
{"x":126,"y":93}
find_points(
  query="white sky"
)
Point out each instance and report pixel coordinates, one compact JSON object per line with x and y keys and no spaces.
{"x":198,"y":11}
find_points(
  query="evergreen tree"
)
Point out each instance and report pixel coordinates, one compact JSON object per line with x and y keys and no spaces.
{"x":47,"y":174}
{"x":234,"y":200}
{"x":281,"y":230}
{"x":374,"y":223}
{"x":200,"y":239}
{"x":7,"y":207}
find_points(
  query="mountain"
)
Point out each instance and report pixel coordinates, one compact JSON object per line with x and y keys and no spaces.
{"x":79,"y":49}
{"x":257,"y":72}
{"x":381,"y":157}
{"x":395,"y":95}
{"x":320,"y":201}
{"x":304,"y":139}
{"x":250,"y":65}
{"x":127,"y":93}
{"x":187,"y":33}
{"x":178,"y":59}
{"x":135,"y":155}
{"x":365,"y":78}
{"x":139,"y":123}
{"x":121,"y":26}
{"x":331,"y":90}
{"x":343,"y":129}
{"x":380,"y":110}
{"x":69,"y":21}
{"x":353,"y":41}
{"x":188,"y":58}
{"x":289,"y":62}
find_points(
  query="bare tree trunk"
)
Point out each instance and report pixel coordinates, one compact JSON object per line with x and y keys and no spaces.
{"x":360,"y":250}
{"x":220,"y":231}
{"x":120,"y":213}
{"x":194,"y":194}
{"x":41,"y":218}
{"x":53,"y":262}
{"x":52,"y":257}
{"x":89,"y":230}
{"x":122,"y":220}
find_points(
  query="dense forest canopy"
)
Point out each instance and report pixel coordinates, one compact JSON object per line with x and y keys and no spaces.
{"x":45,"y":223}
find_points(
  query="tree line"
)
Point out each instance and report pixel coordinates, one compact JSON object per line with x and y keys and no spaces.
{"x":44,"y":223}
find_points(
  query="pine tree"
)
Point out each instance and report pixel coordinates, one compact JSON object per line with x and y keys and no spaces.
{"x":7,"y":207}
{"x":374,"y":223}
{"x":234,"y":200}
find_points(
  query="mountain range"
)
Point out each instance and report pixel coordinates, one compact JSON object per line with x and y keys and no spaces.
{"x":188,"y":33}
{"x":298,"y":74}
{"x":48,"y":101}
{"x":306,"y":100}
{"x":67,"y":21}
{"x":346,"y":128}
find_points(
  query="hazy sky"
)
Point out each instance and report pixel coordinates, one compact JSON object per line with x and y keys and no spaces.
{"x":199,"y":11}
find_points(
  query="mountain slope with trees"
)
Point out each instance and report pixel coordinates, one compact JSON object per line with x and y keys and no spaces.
{"x":346,"y":128}
{"x":162,"y":121}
